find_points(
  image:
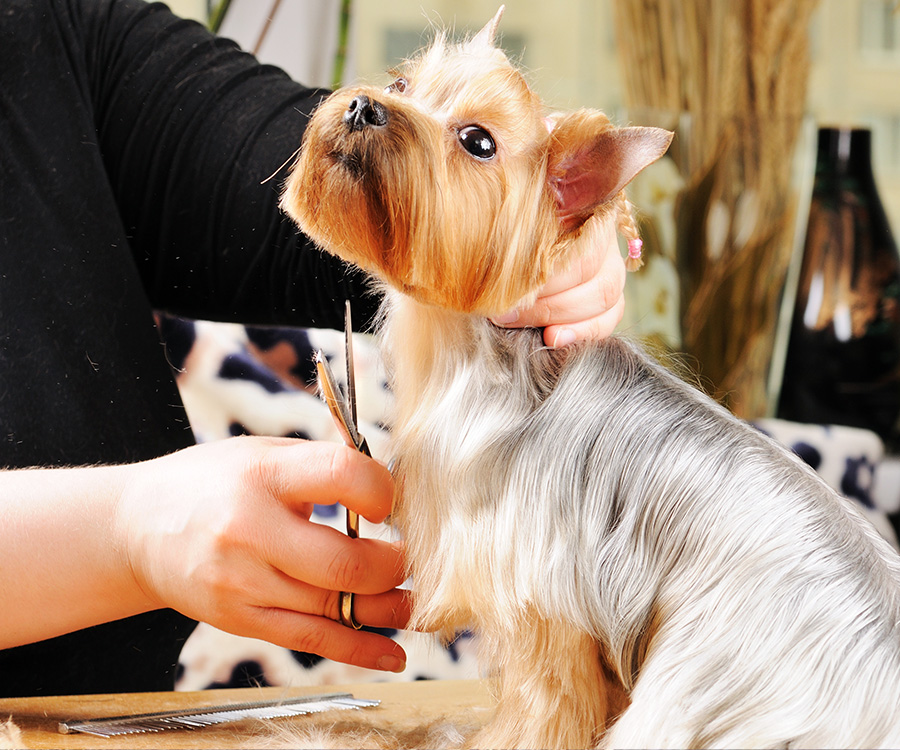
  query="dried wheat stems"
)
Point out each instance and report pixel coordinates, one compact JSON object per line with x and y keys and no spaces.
{"x":732,"y":75}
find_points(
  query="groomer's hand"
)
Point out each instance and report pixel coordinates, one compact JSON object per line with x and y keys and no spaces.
{"x":585,"y":301}
{"x":221,"y":532}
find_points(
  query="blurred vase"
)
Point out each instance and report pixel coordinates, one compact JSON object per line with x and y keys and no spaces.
{"x":719,"y":218}
{"x":843,"y":358}
{"x":709,"y":71}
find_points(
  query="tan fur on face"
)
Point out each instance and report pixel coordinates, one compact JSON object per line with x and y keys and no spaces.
{"x":420,"y":212}
{"x":417,"y":157}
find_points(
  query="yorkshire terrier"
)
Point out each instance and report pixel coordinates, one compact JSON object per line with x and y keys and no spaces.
{"x":642,"y":569}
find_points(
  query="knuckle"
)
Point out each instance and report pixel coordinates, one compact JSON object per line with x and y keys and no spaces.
{"x":612,"y":286}
{"x":605,"y":324}
{"x":342,"y":468}
{"x":543,"y":311}
{"x":314,"y":640}
{"x":261,"y":477}
{"x":259,"y":621}
{"x":331,"y":605}
{"x":356,"y":654}
{"x":345,"y":570}
{"x":256,"y":469}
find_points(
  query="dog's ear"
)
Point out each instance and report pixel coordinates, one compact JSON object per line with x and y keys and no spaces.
{"x":590,"y":161}
{"x":488,"y":35}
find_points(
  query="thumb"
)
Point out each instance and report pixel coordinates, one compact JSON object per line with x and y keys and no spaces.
{"x":305,"y":472}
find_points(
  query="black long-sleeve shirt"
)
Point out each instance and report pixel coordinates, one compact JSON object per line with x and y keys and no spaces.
{"x":135,"y":149}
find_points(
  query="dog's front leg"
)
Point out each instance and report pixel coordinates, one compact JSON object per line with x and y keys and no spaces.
{"x":553,"y":689}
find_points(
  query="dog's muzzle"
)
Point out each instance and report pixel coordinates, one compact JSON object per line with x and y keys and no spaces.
{"x":363,"y":112}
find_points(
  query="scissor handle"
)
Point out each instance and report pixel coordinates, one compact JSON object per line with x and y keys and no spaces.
{"x":344,"y":421}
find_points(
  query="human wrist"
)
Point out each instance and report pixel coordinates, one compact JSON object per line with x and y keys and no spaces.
{"x":130,"y":499}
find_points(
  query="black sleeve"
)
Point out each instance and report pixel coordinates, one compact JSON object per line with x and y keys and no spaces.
{"x":197,"y":137}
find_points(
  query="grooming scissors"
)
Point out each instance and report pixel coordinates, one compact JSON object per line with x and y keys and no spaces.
{"x":343,"y":411}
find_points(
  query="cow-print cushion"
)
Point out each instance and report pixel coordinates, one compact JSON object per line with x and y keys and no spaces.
{"x":261,"y":381}
{"x":238,"y":380}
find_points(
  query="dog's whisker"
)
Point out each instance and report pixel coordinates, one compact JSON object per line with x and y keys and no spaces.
{"x":287,"y":161}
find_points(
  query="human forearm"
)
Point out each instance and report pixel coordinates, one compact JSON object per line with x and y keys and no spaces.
{"x":219,"y":532}
{"x":62,"y":563}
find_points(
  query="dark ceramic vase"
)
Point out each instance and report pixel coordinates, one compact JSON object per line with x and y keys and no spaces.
{"x":843,"y":358}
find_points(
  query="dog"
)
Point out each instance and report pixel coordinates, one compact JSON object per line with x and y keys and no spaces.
{"x":642,"y":569}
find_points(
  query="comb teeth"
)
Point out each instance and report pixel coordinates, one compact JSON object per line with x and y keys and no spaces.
{"x":204,"y":717}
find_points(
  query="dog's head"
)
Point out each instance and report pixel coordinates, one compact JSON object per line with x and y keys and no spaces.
{"x":452,"y":185}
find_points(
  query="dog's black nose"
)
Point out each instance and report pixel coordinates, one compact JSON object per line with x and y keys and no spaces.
{"x":363,"y":112}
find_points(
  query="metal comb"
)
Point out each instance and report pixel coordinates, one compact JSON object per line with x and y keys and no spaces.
{"x":162,"y":721}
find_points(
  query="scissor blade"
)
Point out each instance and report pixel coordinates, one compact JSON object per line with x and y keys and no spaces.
{"x":349,"y":363}
{"x":336,"y":402}
{"x":338,"y":408}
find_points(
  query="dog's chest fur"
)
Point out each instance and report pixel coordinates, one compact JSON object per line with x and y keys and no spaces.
{"x":466,"y":394}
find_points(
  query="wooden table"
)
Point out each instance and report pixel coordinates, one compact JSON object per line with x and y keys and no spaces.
{"x":405,"y":707}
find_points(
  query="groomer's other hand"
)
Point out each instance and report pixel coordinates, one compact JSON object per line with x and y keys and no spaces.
{"x":221,"y":533}
{"x":585,"y":301}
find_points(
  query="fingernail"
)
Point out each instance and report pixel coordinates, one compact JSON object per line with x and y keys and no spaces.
{"x":563,"y":338}
{"x":390,"y":663}
{"x":507,"y":318}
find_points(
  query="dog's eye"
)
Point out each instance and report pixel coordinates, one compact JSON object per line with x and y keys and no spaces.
{"x":397,"y":87}
{"x":477,"y":142}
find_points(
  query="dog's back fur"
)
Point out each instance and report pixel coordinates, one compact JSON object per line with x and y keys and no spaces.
{"x":731,"y":596}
